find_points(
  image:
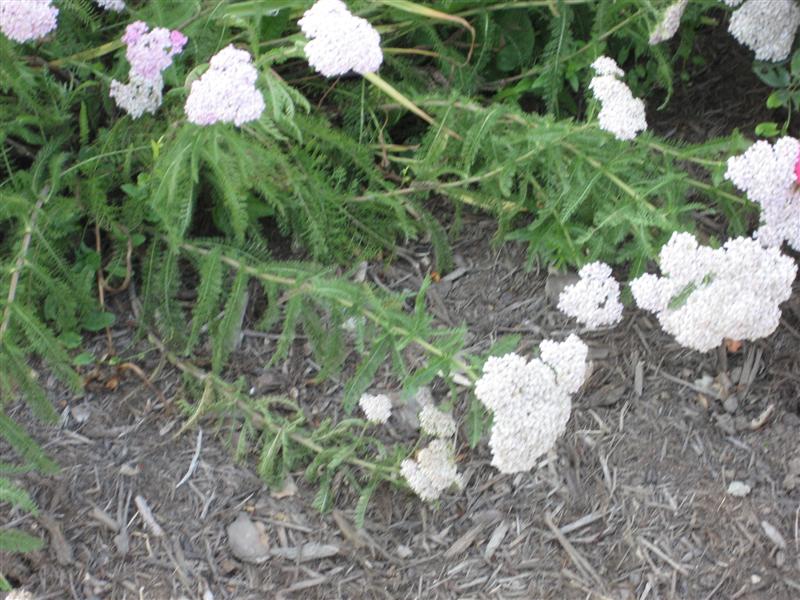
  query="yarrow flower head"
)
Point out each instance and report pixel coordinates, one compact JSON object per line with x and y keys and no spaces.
{"x":433,"y":421}
{"x":149,"y":53}
{"x":705,"y":296}
{"x":378,"y":408}
{"x":27,"y":20}
{"x":594,"y":299}
{"x":227,"y":92}
{"x":769,"y":175}
{"x":112,"y":5}
{"x":767,"y":27}
{"x":620,"y":113}
{"x":530,"y":401}
{"x":433,"y":471}
{"x":138,"y":96}
{"x":340,"y":42}
{"x":670,"y":21}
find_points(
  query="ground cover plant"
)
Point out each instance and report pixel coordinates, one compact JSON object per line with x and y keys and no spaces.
{"x":232,"y":166}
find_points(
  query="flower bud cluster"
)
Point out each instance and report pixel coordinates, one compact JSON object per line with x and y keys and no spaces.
{"x":767,"y":27}
{"x":340,"y":42}
{"x":620,"y":113}
{"x":377,"y":408}
{"x":670,"y":21}
{"x":706,"y":295}
{"x":435,"y":422}
{"x":432,"y":471}
{"x":26,"y":20}
{"x":530,"y":401}
{"x":227,"y":92}
{"x":149,"y":53}
{"x":594,"y":299}
{"x":768,"y":174}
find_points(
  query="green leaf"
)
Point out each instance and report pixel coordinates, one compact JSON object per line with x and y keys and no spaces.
{"x":98,"y":320}
{"x":14,"y":540}
{"x":518,"y":39}
{"x":365,"y":373}
{"x":477,"y":419}
{"x":767,"y":129}
{"x":83,"y":359}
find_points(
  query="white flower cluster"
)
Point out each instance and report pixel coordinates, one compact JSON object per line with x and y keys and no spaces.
{"x":670,"y":21}
{"x":767,"y":27}
{"x":340,"y":42}
{"x":227,"y":92}
{"x":530,"y":401}
{"x":136,"y":97}
{"x":769,"y":176}
{"x":594,"y":299}
{"x":149,"y":53}
{"x":19,"y":595}
{"x":620,"y":113}
{"x":27,"y":20}
{"x":377,"y":408}
{"x":433,"y":421}
{"x":707,"y":295}
{"x":112,"y":5}
{"x":433,"y":471}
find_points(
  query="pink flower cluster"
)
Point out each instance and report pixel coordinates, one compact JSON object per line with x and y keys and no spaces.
{"x":227,"y":92}
{"x":149,"y":53}
{"x":27,"y":20}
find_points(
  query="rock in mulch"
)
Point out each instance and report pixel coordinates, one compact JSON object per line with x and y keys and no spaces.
{"x":248,"y":540}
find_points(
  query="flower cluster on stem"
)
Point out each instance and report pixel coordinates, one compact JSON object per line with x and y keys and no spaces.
{"x":768,"y":174}
{"x":149,"y":54}
{"x":594,"y":299}
{"x":530,"y":400}
{"x":705,"y":295}
{"x":620,"y":113}
{"x":227,"y":92}
{"x":27,"y":20}
{"x":340,"y":42}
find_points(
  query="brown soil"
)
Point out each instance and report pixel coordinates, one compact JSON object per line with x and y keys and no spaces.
{"x":631,"y":504}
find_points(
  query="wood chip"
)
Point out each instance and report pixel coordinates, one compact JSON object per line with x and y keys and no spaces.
{"x":58,"y":542}
{"x":495,"y":540}
{"x":306,"y":552}
{"x":773,"y":534}
{"x":465,"y":541}
{"x":147,"y":516}
{"x":98,"y":514}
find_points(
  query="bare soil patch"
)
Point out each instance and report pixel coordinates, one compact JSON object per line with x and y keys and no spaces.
{"x":631,"y":504}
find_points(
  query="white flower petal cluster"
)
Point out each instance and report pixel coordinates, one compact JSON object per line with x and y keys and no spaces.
{"x":732,"y":3}
{"x":706,"y":295}
{"x":433,"y":471}
{"x":620,"y":113}
{"x":670,"y":21}
{"x":112,"y":5}
{"x":226,"y":93}
{"x":27,"y":20}
{"x":768,"y":174}
{"x":340,"y":42}
{"x":377,"y":408}
{"x":435,"y":422}
{"x":767,"y":27}
{"x":149,"y":53}
{"x":530,"y":401}
{"x":594,"y":299}
{"x":138,"y":96}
